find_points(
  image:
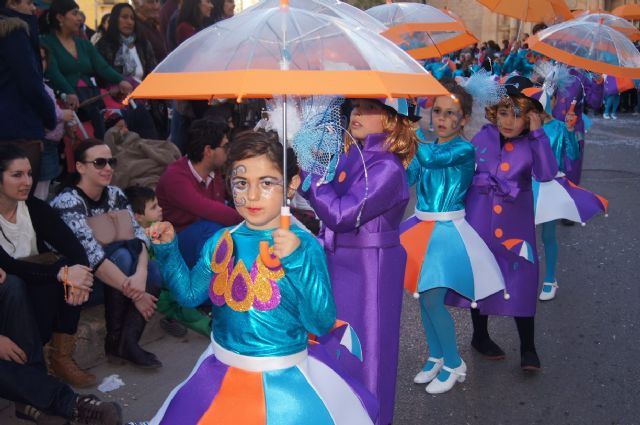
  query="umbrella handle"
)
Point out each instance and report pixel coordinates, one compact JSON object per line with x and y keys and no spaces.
{"x":271,"y":261}
{"x":571,"y":109}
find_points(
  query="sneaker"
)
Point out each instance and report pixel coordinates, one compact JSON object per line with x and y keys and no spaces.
{"x":614,"y":117}
{"x":91,"y":411}
{"x":173,"y":327}
{"x":606,"y":116}
{"x":30,"y":413}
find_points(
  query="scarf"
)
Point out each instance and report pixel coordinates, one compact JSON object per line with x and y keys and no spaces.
{"x":124,"y":57}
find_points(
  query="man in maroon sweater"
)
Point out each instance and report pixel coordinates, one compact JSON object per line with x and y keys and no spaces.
{"x":192,"y":191}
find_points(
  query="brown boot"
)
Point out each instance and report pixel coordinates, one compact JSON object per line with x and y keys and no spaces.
{"x":62,"y":364}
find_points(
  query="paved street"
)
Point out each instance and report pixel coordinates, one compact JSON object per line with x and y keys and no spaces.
{"x":587,"y":337}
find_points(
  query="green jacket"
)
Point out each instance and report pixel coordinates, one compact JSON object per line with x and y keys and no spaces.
{"x":64,"y":71}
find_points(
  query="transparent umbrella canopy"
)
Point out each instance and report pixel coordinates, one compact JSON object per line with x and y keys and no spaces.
{"x":593,"y":46}
{"x":332,"y":8}
{"x":615,"y":22}
{"x":286,"y":51}
{"x":421,"y":30}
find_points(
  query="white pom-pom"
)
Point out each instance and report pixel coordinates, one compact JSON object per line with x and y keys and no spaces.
{"x":416,"y":295}
{"x":506,"y":296}
{"x":606,"y":215}
{"x":474,"y":304}
{"x":583,"y":224}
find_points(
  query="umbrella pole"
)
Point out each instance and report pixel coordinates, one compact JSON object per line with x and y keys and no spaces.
{"x":285,"y":212}
{"x":284,"y":150}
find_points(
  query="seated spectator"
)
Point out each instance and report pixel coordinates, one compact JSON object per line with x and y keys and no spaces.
{"x":25,"y":107}
{"x":147,"y":211}
{"x":73,"y":62}
{"x":38,"y":396}
{"x":101,"y":219}
{"x":141,"y":161}
{"x":29,"y":227}
{"x":192,"y":190}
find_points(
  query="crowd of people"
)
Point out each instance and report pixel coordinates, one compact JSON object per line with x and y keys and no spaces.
{"x":161,"y":206}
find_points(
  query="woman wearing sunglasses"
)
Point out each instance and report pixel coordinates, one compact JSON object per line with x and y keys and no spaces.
{"x":101,"y":218}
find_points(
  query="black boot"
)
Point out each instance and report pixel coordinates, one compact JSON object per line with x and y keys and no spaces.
{"x":481,"y":341}
{"x":529,"y":359}
{"x":129,"y":348}
{"x":125,"y":325}
{"x":115,"y":313}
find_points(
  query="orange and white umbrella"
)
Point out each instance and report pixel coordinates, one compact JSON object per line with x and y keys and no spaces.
{"x":628,"y":11}
{"x":421,"y":30}
{"x":615,"y":22}
{"x":285,"y":51}
{"x":592,"y":46}
{"x":288,"y":52}
{"x":530,"y":10}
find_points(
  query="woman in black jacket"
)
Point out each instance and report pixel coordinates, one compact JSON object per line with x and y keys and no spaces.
{"x":29,"y":227}
{"x":125,"y":48}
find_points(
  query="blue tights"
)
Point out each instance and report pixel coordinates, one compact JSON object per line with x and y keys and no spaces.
{"x":439,"y":329}
{"x":550,"y":250}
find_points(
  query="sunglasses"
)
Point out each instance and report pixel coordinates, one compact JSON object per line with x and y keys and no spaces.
{"x":100,"y":163}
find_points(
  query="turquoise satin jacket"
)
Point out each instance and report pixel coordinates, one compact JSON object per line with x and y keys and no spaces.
{"x":442,"y":173}
{"x":563,"y":142}
{"x":251,"y":316}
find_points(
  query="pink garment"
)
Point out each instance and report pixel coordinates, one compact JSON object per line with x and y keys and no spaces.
{"x":56,"y":133}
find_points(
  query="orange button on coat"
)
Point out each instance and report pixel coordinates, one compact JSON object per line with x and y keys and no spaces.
{"x":497,"y":209}
{"x":498,"y":232}
{"x":508,"y":146}
{"x":505,"y":166}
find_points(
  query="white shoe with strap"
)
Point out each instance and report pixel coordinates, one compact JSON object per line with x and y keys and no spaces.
{"x":425,"y":376}
{"x":458,"y":374}
{"x":548,"y":291}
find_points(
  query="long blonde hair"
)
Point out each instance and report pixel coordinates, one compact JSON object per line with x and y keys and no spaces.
{"x":402,"y":138}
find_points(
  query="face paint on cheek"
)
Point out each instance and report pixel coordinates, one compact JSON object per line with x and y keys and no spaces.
{"x":239,"y":198}
{"x":268,"y":186}
{"x":455,"y":122}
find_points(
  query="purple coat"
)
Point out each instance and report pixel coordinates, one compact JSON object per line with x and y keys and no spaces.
{"x":366,"y":263}
{"x":584,"y":90}
{"x":499,"y":207}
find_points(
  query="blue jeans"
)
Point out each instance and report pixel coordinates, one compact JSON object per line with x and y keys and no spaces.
{"x":125,"y":262}
{"x":611,"y":104}
{"x":28,"y":383}
{"x":192,"y":238}
{"x":122,"y":258}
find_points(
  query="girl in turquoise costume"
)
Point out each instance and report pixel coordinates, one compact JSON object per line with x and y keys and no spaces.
{"x":258,"y":368}
{"x":559,"y":198}
{"x":443,"y":251}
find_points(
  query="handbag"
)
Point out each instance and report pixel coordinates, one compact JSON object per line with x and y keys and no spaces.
{"x":111,"y":226}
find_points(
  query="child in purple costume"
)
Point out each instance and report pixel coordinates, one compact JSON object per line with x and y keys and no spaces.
{"x":509,"y":153}
{"x":361,"y":211}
